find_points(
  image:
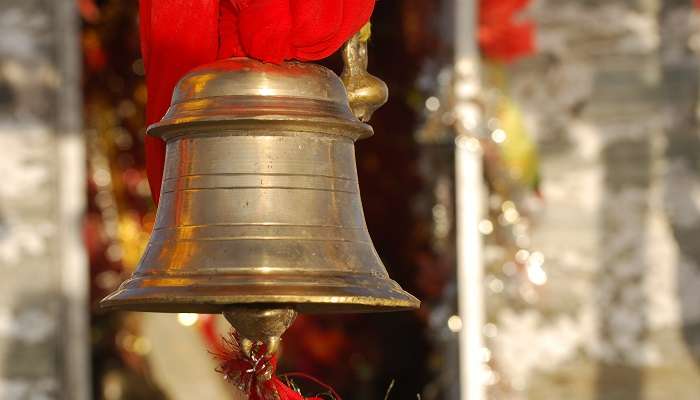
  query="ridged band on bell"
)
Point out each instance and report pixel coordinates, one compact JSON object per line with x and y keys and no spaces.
{"x":260,"y":202}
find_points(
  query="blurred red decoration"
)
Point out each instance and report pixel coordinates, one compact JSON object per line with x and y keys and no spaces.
{"x":323,"y":345}
{"x":93,"y":53}
{"x":178,"y":36}
{"x":88,"y":10}
{"x":501,"y":36}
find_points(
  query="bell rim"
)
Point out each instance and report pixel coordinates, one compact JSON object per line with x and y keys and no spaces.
{"x":134,"y":300}
{"x":318,"y":295}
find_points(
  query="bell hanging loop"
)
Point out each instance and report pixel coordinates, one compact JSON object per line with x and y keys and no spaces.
{"x":366,"y":92}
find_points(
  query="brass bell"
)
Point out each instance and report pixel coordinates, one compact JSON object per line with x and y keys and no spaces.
{"x":260,"y":203}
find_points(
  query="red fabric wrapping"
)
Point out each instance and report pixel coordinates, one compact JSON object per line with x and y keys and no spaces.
{"x":277,"y":30}
{"x":501,"y":36}
{"x":177,"y":36}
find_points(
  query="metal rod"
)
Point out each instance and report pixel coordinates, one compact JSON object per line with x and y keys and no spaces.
{"x":469,"y":267}
{"x":469,"y":187}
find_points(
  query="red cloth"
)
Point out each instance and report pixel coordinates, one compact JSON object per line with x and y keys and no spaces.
{"x":501,"y":37}
{"x":177,"y":36}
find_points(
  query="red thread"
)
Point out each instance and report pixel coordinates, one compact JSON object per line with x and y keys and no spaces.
{"x":314,"y":380}
{"x":254,"y":376}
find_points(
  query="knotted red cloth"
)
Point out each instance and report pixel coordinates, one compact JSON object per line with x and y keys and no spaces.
{"x":501,"y":36}
{"x":177,"y":36}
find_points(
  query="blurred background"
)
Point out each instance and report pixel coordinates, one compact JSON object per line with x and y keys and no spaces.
{"x":591,"y":224}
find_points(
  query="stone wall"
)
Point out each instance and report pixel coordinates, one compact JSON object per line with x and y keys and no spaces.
{"x":612,"y":99}
{"x":43,"y":273}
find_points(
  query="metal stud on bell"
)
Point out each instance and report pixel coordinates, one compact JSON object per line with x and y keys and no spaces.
{"x":260,"y":204}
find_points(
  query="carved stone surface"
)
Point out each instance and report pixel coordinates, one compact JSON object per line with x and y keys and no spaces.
{"x":612,"y":98}
{"x":43,"y":312}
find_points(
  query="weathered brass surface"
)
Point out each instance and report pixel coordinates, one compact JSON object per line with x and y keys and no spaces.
{"x":260,"y":202}
{"x":366,"y":92}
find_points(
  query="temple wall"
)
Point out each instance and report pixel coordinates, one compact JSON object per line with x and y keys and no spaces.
{"x":43,"y":273}
{"x":612,"y":99}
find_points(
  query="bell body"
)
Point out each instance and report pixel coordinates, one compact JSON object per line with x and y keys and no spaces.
{"x":260,"y":202}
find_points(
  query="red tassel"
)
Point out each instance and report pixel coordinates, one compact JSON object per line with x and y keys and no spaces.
{"x":254,"y":376}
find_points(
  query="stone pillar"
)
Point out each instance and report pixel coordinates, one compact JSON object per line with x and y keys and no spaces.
{"x":611,"y":97}
{"x":44,"y":338}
